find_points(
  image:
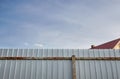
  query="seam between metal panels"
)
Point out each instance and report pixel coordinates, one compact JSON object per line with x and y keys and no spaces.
{"x":5,"y":65}
{"x":106,"y":67}
{"x":89,"y":65}
{"x":116,"y":66}
{"x":95,"y":66}
{"x":111,"y":65}
{"x":100,"y":65}
{"x":84,"y":66}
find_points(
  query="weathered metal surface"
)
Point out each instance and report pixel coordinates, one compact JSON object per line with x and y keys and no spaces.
{"x":35,"y":58}
{"x":59,"y":69}
{"x":59,"y":58}
{"x":98,"y":58}
{"x":73,"y":67}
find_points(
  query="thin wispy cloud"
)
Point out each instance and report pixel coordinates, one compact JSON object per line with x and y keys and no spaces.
{"x":58,"y":23}
{"x":26,"y":44}
{"x":38,"y":45}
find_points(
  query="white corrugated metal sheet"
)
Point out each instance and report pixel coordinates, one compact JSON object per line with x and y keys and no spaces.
{"x":59,"y":69}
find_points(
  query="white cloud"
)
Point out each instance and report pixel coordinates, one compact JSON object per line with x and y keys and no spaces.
{"x":79,"y":23}
{"x":67,"y":24}
{"x":38,"y":45}
{"x":26,"y":44}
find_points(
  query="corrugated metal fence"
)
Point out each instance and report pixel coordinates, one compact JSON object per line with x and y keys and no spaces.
{"x":59,"y":69}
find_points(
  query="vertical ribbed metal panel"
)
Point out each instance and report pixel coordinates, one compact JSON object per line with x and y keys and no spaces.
{"x":59,"y":69}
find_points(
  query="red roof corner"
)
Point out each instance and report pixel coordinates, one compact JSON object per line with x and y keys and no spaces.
{"x":107,"y":45}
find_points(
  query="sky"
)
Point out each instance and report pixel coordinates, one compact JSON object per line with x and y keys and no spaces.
{"x":58,"y":23}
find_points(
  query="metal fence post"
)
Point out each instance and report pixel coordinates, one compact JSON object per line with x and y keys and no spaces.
{"x":73,"y":67}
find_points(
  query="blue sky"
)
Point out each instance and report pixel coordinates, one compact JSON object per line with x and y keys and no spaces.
{"x":58,"y":23}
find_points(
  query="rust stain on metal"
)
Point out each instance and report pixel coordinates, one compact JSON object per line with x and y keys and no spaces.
{"x":59,"y":58}
{"x":98,"y":58}
{"x":35,"y":58}
{"x":12,"y":58}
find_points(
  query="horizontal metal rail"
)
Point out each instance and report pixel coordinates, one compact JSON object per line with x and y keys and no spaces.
{"x":59,"y":58}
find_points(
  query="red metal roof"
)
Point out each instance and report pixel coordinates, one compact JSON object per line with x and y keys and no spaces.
{"x":108,"y":45}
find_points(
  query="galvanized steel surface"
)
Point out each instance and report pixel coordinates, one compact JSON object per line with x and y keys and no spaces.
{"x":58,"y":69}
